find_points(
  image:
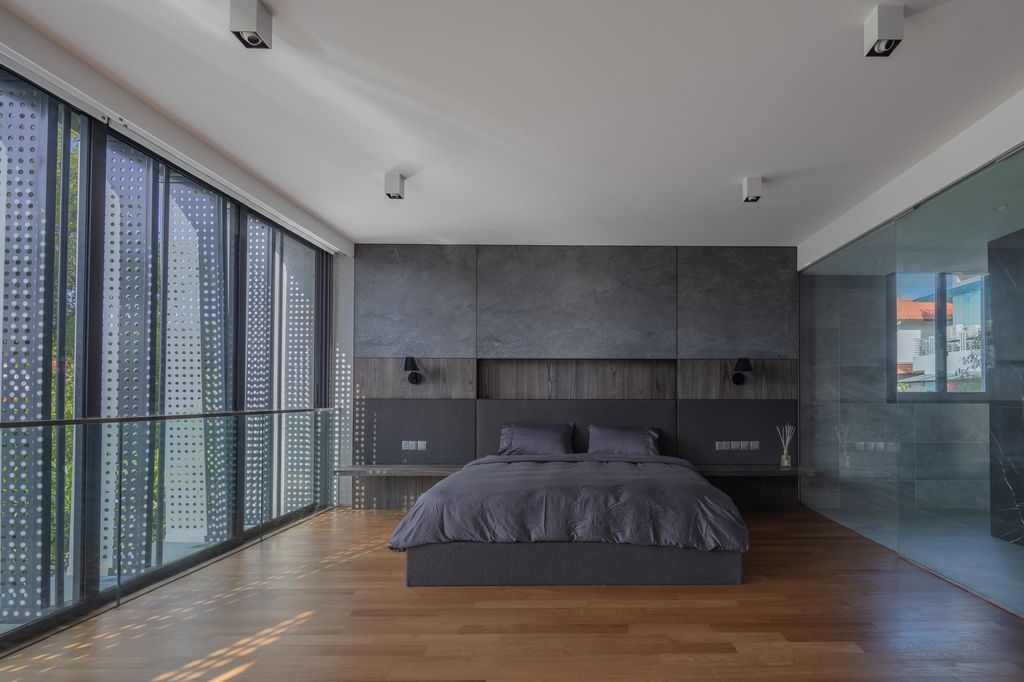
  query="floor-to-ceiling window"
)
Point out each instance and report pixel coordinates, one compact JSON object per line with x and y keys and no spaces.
{"x":162,"y":377}
{"x":912,"y":383}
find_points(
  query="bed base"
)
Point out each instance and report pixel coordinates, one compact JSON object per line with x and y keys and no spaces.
{"x":567,"y":563}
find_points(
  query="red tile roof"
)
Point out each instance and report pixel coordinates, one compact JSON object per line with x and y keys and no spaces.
{"x":906,"y":369}
{"x":919,"y":310}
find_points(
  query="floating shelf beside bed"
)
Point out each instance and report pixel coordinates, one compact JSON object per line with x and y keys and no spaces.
{"x":438,"y":470}
{"x":711,"y":470}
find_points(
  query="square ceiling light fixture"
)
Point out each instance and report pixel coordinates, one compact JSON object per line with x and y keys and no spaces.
{"x":394,"y":185}
{"x":251,"y":22}
{"x":751,"y":189}
{"x":883,"y":30}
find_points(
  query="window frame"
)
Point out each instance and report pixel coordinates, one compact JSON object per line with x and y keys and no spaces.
{"x":941,"y":394}
{"x":85,"y":424}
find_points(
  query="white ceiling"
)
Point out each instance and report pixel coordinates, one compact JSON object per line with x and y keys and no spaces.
{"x":568,"y":121}
{"x":948,"y":233}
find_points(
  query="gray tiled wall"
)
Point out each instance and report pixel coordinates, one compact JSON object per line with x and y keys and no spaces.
{"x":737,"y":301}
{"x":576,"y":302}
{"x":415,"y":300}
{"x":873,"y":454}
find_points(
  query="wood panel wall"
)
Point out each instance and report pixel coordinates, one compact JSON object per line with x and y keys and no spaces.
{"x":577,"y":379}
{"x":389,"y":492}
{"x":712,"y":380}
{"x":443,"y":378}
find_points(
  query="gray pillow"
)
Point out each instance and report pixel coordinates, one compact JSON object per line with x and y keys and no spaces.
{"x":623,"y":440}
{"x":535,"y":439}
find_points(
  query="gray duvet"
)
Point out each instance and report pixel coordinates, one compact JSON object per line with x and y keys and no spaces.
{"x":624,"y":499}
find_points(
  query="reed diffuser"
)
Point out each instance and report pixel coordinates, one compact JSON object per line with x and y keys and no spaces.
{"x":786,"y":437}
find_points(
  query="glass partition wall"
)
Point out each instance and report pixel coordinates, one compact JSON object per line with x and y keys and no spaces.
{"x":912,"y":384}
{"x":163,"y":386}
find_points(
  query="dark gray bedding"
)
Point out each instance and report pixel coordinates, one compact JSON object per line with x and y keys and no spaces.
{"x":623,"y":499}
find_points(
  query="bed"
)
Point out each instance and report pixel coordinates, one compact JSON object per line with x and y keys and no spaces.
{"x":573,"y":519}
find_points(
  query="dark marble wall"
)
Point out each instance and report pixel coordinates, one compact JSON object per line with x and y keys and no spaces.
{"x":415,"y":300}
{"x":1006,"y":387}
{"x":576,"y":302}
{"x":737,"y":301}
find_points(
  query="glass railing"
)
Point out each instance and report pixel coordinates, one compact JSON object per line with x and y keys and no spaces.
{"x":94,"y":509}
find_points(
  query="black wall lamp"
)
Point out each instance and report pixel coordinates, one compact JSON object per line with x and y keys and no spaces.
{"x":413,"y":370}
{"x":741,"y":370}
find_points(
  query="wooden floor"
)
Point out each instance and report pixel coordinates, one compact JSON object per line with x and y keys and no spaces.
{"x":326,"y":601}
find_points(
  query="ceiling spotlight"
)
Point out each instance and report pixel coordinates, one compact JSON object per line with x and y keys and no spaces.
{"x":883,"y":30}
{"x":751,"y":189}
{"x":251,"y":23}
{"x":394,"y":186}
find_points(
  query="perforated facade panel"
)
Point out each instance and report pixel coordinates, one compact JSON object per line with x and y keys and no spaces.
{"x":298,"y":474}
{"x":198,"y":465}
{"x":259,"y":366}
{"x":25,"y":465}
{"x":129,"y":360}
{"x":151,"y":332}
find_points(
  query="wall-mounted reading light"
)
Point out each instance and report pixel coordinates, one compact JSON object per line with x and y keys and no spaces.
{"x":413,"y":370}
{"x":741,"y":370}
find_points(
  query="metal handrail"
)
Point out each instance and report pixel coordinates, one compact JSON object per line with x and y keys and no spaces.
{"x":85,"y":421}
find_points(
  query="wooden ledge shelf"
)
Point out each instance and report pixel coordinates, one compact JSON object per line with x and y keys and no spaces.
{"x":424,"y":470}
{"x":745,"y":470}
{"x":442,"y":470}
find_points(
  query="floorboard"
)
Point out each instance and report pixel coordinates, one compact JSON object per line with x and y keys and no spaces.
{"x":326,"y":601}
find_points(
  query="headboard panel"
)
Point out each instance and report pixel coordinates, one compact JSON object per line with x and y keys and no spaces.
{"x":492,"y":414}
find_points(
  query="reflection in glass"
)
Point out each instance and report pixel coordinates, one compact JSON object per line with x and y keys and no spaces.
{"x":940,"y":354}
{"x":913,"y":425}
{"x":965,"y":333}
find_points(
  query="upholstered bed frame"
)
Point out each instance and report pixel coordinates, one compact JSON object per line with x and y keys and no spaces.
{"x":570,"y":563}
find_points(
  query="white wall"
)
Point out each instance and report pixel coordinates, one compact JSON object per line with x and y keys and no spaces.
{"x":32,"y":55}
{"x":991,"y":137}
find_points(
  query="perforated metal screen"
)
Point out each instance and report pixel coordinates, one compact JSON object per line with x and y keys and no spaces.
{"x":129,"y":358}
{"x":25,"y":462}
{"x":198,"y":466}
{"x":259,"y":369}
{"x":117,"y":499}
{"x":298,"y":473}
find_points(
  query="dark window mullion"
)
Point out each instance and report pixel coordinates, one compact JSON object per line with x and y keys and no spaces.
{"x":161,"y":270}
{"x":240,"y":275}
{"x":89,"y":460}
{"x":940,"y":333}
{"x":60,"y":322}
